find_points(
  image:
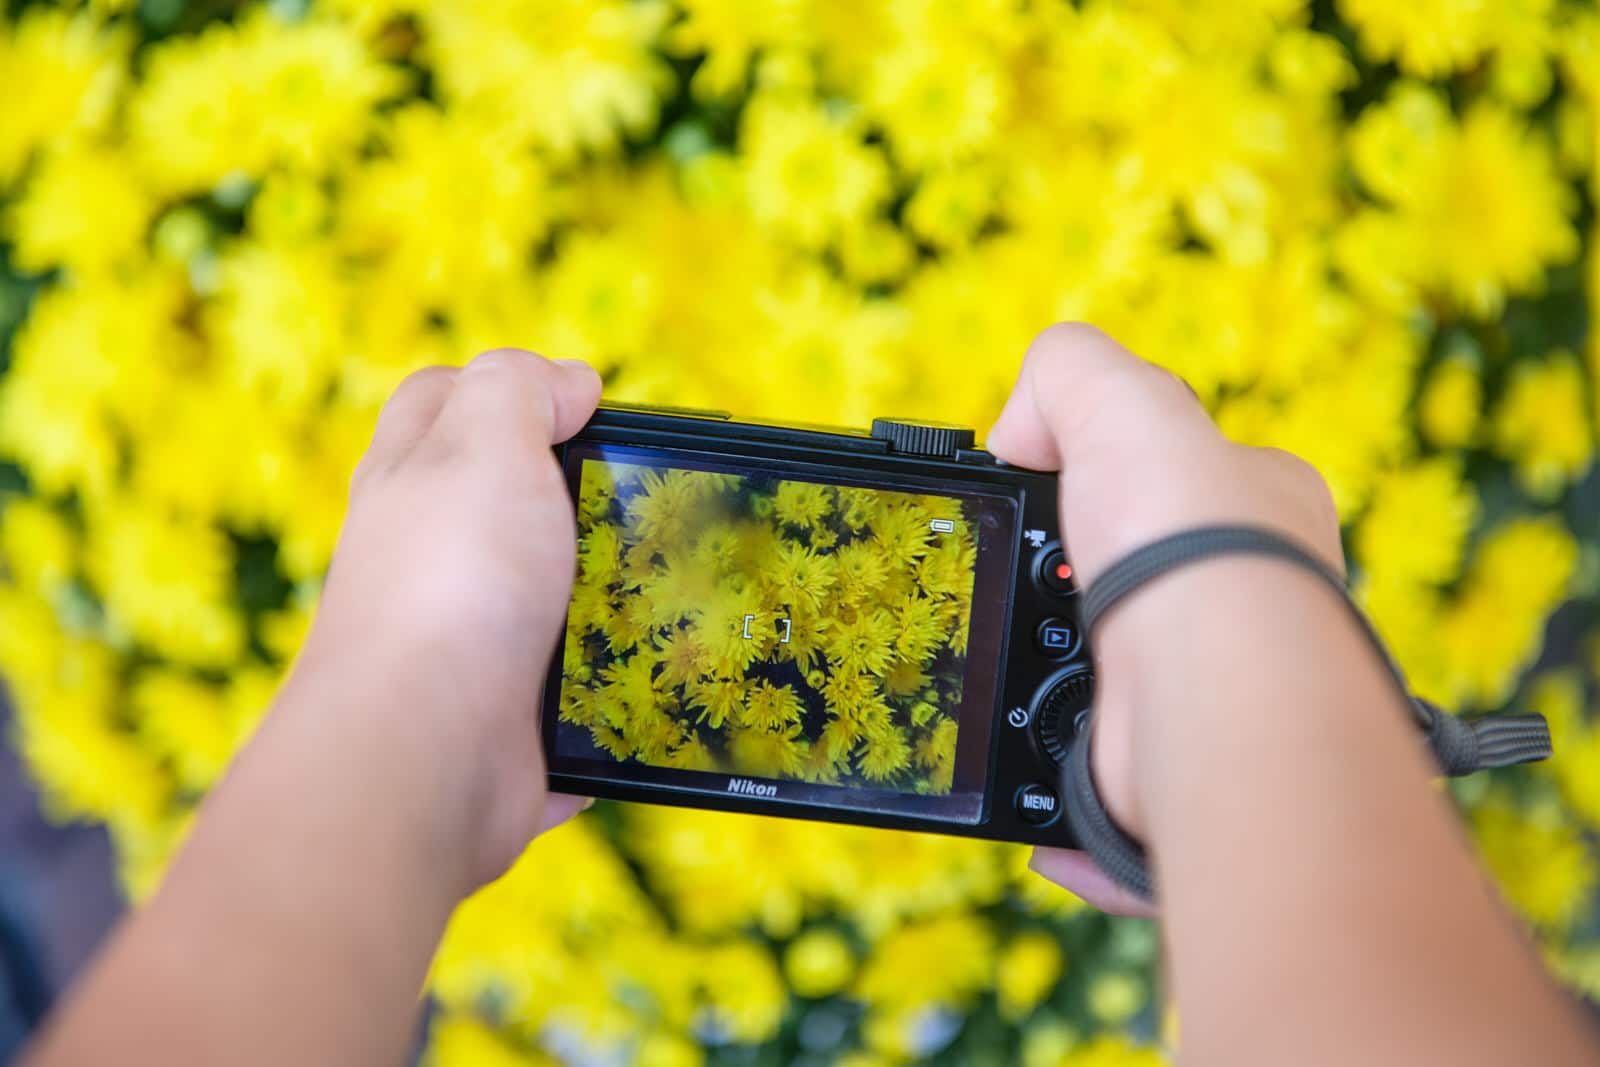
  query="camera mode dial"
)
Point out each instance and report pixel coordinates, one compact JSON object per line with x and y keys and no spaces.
{"x":936,"y":439}
{"x":1057,"y":712}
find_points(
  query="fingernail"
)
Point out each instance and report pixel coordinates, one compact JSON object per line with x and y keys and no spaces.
{"x":587,"y":804}
{"x":571,"y":362}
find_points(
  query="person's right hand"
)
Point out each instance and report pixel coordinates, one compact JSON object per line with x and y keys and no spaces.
{"x":1139,"y":459}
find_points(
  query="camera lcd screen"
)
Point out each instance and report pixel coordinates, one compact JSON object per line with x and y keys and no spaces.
{"x":752,"y":629}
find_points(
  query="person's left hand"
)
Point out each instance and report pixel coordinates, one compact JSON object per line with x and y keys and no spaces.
{"x":446,"y":596}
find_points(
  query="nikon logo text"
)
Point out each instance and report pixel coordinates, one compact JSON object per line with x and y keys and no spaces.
{"x":745,"y":787}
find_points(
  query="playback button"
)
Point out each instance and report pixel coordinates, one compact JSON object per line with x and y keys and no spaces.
{"x":1058,"y":638}
{"x":1037,"y":804}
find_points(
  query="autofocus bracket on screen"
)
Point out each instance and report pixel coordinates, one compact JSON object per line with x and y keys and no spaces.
{"x":863,"y":626}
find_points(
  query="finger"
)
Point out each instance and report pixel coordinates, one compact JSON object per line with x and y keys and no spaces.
{"x":1071,"y":374}
{"x":409,"y":412}
{"x":559,"y":808}
{"x":509,"y":393}
{"x":1299,"y":481}
{"x":1075,"y":872}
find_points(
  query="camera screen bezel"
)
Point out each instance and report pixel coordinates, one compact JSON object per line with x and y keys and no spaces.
{"x":989,"y":627}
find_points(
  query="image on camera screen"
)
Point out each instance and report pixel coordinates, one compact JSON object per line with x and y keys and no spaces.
{"x":759,"y":625}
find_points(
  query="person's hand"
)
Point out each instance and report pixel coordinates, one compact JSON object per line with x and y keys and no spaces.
{"x":1139,"y":459}
{"x":447,"y":592}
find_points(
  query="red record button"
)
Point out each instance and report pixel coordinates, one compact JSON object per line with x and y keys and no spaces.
{"x":1056,"y":573}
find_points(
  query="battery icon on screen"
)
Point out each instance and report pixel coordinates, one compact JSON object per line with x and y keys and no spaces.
{"x":942,"y":525}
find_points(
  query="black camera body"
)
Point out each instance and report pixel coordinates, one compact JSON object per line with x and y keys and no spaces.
{"x":873,"y":627}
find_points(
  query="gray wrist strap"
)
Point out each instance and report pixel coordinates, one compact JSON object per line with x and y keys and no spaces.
{"x":1461,"y":746}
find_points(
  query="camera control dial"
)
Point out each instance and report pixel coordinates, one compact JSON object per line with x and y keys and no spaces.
{"x":941,"y":440}
{"x":1057,"y":710}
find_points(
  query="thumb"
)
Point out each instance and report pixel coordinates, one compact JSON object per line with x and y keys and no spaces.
{"x":1079,"y":389}
{"x":510,"y":394}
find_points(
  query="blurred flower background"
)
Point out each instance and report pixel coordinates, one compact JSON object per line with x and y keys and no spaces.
{"x":1363,"y":230}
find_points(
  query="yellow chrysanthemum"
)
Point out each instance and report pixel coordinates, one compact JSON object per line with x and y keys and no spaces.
{"x":197,"y":117}
{"x":1451,"y":405}
{"x":1543,"y":426}
{"x":810,"y":176}
{"x":64,"y":71}
{"x":818,"y":963}
{"x":1539,"y":859}
{"x":224,"y":245}
{"x":942,"y":961}
{"x":1428,"y":39}
{"x":1027,"y":971}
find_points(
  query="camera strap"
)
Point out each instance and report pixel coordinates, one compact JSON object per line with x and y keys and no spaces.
{"x":1460,"y":746}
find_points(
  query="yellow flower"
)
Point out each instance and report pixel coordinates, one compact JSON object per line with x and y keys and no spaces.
{"x":1027,"y":971}
{"x":1430,"y":495}
{"x":728,"y":33}
{"x":166,"y":581}
{"x":745,"y":995}
{"x":1542,"y":425}
{"x":227,"y":245}
{"x":196,"y":118}
{"x":862,"y":572}
{"x":1539,"y":859}
{"x":600,"y":302}
{"x":818,"y":963}
{"x":38,"y":549}
{"x":809,"y":176}
{"x":184,"y":719}
{"x":459,"y":1041}
{"x":875,"y":253}
{"x":771,"y":707}
{"x":1112,"y":1052}
{"x":1559,"y":697}
{"x":1451,"y":405}
{"x":943,"y":961}
{"x":80,"y":210}
{"x":765,"y":753}
{"x":1518,"y":576}
{"x":449,"y":204}
{"x":1427,"y":38}
{"x":591,"y":66}
{"x":1392,"y":141}
{"x":951,"y":205}
{"x":885,"y":754}
{"x":862,"y":645}
{"x":1502,"y":183}
{"x":802,"y":576}
{"x":668,"y":1050}
{"x":278,"y":319}
{"x":93,"y":355}
{"x":933,"y":115}
{"x":802,"y":503}
{"x":1114,"y":997}
{"x":1485,"y":194}
{"x":64,"y":71}
{"x":936,"y":752}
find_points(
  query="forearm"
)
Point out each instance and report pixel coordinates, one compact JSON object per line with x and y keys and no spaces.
{"x":297,"y":924}
{"x":1301,"y":850}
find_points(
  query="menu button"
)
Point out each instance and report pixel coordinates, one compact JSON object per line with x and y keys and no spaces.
{"x":1037,"y":804}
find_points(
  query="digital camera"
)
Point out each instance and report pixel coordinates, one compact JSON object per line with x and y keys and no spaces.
{"x":874,"y":627}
